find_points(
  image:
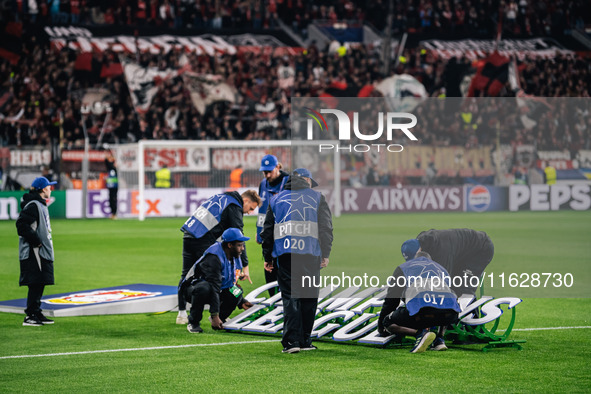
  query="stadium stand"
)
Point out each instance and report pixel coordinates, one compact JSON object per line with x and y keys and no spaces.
{"x":39,"y":107}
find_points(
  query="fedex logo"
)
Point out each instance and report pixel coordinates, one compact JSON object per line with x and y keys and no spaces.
{"x":127,"y":204}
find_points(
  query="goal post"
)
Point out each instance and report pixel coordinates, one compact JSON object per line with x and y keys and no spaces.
{"x":207,"y":165}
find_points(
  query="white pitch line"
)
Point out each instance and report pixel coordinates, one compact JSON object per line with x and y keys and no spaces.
{"x":226,"y":343}
{"x":137,"y":349}
{"x":549,"y":328}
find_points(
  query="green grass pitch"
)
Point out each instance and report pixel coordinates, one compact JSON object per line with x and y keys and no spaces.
{"x":102,"y":253}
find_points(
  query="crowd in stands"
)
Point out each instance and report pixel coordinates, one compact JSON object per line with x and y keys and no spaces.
{"x":39,"y":94}
{"x":39,"y":103}
{"x":475,"y":17}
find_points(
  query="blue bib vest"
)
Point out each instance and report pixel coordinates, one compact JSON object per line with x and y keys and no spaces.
{"x":228,"y":267}
{"x":427,"y":286}
{"x":266,"y":192}
{"x":208,"y":215}
{"x":296,"y":222}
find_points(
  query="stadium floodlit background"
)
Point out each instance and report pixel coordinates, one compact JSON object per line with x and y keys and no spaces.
{"x":194,"y":80}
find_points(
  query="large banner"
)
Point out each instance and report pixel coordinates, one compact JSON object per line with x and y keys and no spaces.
{"x":10,"y":205}
{"x":550,"y":198}
{"x":449,"y":159}
{"x":404,"y":199}
{"x":475,"y":49}
{"x":122,"y":39}
{"x":157,"y":202}
{"x":249,"y":159}
{"x":176,"y":158}
{"x":30,"y":157}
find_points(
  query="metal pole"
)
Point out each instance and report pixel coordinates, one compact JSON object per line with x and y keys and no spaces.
{"x":400,"y":49}
{"x":387,"y":40}
{"x":85,"y":169}
{"x":337,"y":183}
{"x":107,"y":119}
{"x":141,"y":181}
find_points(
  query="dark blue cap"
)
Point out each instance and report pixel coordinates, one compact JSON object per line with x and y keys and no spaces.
{"x":41,"y":183}
{"x":233,"y":234}
{"x":268,"y":163}
{"x":305,"y":173}
{"x":410,"y":248}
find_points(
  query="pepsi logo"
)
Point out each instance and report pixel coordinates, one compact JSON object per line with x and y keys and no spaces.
{"x":479,"y":198}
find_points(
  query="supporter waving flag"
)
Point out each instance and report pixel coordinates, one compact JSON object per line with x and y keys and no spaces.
{"x":143,"y":82}
{"x":492,"y":74}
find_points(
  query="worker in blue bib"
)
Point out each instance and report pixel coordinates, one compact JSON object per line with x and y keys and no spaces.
{"x":423,"y":286}
{"x":206,"y":225}
{"x":274,"y":182}
{"x":297,"y":239}
{"x":213,"y":275}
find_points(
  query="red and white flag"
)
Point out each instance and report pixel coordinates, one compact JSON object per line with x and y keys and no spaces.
{"x":143,"y":82}
{"x":206,"y":89}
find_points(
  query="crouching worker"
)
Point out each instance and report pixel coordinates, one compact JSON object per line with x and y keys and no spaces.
{"x":212,"y":280}
{"x":428,"y":301}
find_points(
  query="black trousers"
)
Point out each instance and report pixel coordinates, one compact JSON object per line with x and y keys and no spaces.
{"x":34,"y":299}
{"x":425,"y":318}
{"x":201,"y":294}
{"x":299,"y":302}
{"x":471,"y":266}
{"x":228,"y":302}
{"x":113,"y":200}
{"x":271,"y":277}
{"x":193,"y":249}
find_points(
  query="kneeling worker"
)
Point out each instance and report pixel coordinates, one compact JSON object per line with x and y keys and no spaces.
{"x":212,"y":273}
{"x":428,"y":301}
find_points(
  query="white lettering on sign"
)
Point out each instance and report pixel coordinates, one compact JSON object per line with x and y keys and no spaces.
{"x":8,"y":208}
{"x":29,"y":158}
{"x":339,"y":312}
{"x":549,"y":197}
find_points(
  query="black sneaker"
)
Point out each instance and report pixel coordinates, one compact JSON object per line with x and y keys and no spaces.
{"x":194,"y":328}
{"x":308,"y":347}
{"x":424,"y":339}
{"x":291,"y":348}
{"x":43,"y":319}
{"x":32,"y":321}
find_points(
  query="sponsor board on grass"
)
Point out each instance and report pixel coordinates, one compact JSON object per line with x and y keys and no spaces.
{"x":132,"y":298}
{"x":347,"y":314}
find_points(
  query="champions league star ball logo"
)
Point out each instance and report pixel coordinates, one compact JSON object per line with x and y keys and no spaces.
{"x":99,"y":296}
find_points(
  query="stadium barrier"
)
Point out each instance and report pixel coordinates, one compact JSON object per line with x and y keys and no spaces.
{"x":182,"y":202}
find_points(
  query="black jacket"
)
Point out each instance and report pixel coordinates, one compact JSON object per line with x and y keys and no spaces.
{"x":27,"y":217}
{"x":325,"y":233}
{"x":455,"y":247}
{"x":29,"y":268}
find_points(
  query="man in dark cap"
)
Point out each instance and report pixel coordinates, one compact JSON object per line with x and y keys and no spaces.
{"x":212,"y":273}
{"x":35,"y":249}
{"x":297,"y":238}
{"x":274,"y":182}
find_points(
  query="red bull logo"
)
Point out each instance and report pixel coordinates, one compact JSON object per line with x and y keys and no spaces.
{"x":100,"y":296}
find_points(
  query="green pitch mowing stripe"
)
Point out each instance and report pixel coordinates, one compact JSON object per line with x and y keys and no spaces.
{"x":223,"y":344}
{"x":104,"y":253}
